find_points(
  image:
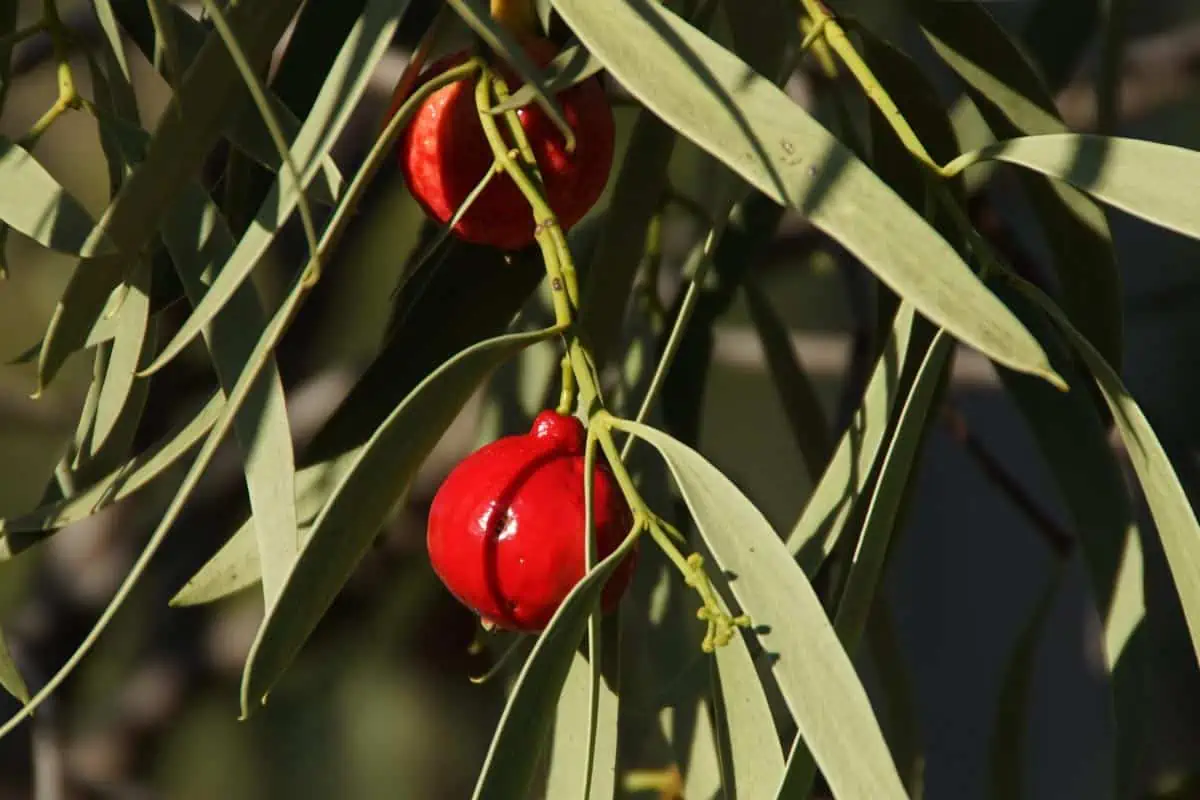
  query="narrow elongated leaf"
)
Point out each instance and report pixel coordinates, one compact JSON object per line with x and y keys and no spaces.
{"x":827,"y":512}
{"x":36,"y":205}
{"x":362,"y":500}
{"x":1074,"y":443}
{"x":512,"y":757}
{"x":186,"y":132}
{"x":1012,"y":717}
{"x":343,"y":89}
{"x":112,"y":488}
{"x":573,"y":65}
{"x":123,"y":395}
{"x":1013,"y":100}
{"x":478,"y":17}
{"x":1173,"y":515}
{"x":717,"y":101}
{"x":816,"y":676}
{"x":1146,"y":179}
{"x":756,"y":760}
{"x":246,"y":130}
{"x":796,"y":392}
{"x":236,"y":565}
{"x":10,"y":676}
{"x":613,"y":267}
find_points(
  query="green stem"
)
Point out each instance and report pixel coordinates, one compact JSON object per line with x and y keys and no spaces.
{"x":578,"y":361}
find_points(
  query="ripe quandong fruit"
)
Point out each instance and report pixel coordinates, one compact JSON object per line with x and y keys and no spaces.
{"x":506,"y":528}
{"x":444,"y":154}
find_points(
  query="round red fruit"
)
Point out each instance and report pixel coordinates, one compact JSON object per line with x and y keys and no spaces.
{"x":444,"y":155}
{"x":506,"y":528}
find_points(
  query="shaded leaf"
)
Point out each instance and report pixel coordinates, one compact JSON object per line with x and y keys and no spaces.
{"x":10,"y":676}
{"x":796,"y":392}
{"x":1014,"y":101}
{"x":347,"y":81}
{"x":573,"y":65}
{"x":1172,"y":513}
{"x":186,"y":132}
{"x":816,"y":676}
{"x":361,"y":501}
{"x":715,"y":100}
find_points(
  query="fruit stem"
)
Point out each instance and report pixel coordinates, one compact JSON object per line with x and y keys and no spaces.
{"x":579,"y":368}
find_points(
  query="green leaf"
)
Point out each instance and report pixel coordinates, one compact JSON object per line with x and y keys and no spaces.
{"x":368,"y":491}
{"x":185,"y":134}
{"x":823,"y":521}
{"x":1146,"y":179}
{"x":714,"y":99}
{"x":755,"y":761}
{"x":512,"y":758}
{"x":796,"y":392}
{"x":34,"y":204}
{"x":236,"y":565}
{"x":573,"y":65}
{"x":10,"y":676}
{"x":112,"y":488}
{"x":123,"y":395}
{"x":245,"y":129}
{"x":1013,"y":100}
{"x":1074,"y":442}
{"x":816,"y":676}
{"x":1169,"y":506}
{"x":895,"y":472}
{"x":1012,"y":718}
{"x":347,"y":82}
{"x":637,"y":194}
{"x":764,"y":35}
{"x":479,"y":19}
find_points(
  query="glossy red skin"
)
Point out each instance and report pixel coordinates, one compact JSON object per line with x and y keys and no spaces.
{"x":444,"y":154}
{"x":506,"y":527}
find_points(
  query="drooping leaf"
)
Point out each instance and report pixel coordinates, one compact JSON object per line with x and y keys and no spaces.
{"x":823,"y":521}
{"x":816,"y":676}
{"x":1149,"y":180}
{"x":1012,"y":718}
{"x":10,"y":676}
{"x":1172,"y":513}
{"x":1014,"y":101}
{"x":186,"y":132}
{"x":714,"y":99}
{"x":345,"y":85}
{"x":796,"y":392}
{"x":360,"y":503}
{"x":512,"y":757}
{"x":36,"y":205}
{"x":478,"y":17}
{"x":573,"y":65}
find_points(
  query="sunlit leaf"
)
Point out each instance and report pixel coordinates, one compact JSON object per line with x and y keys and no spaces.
{"x":823,"y":521}
{"x":512,"y":757}
{"x":10,"y":676}
{"x":816,"y":676}
{"x":714,"y":99}
{"x":186,"y":132}
{"x":1014,"y":101}
{"x":360,"y":503}
{"x":1149,"y":180}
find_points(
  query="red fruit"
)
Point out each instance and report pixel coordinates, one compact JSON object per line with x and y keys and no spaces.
{"x":506,"y":527}
{"x":444,"y":155}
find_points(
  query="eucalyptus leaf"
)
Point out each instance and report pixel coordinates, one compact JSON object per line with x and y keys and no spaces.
{"x":1013,"y":100}
{"x":1149,"y":180}
{"x":572,"y":66}
{"x":358,"y":506}
{"x":717,"y":101}
{"x":512,"y":758}
{"x":347,"y":81}
{"x":816,"y":676}
{"x":10,"y":676}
